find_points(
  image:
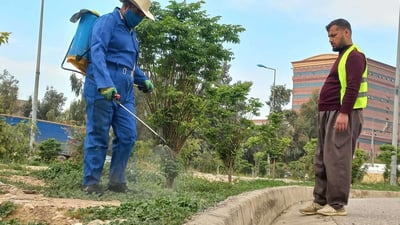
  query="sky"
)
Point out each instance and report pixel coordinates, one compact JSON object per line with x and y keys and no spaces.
{"x":277,"y":33}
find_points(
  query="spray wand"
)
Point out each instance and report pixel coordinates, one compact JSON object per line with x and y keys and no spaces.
{"x":116,"y":99}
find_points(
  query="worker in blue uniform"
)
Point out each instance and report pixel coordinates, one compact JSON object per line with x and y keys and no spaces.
{"x":112,"y":70}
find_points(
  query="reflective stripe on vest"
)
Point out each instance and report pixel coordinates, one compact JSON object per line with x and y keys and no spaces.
{"x":362,"y":99}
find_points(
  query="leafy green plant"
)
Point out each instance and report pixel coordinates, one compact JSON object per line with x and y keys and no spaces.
{"x":6,"y":208}
{"x":357,"y":172}
{"x":14,"y":141}
{"x":63,"y":179}
{"x":49,"y":149}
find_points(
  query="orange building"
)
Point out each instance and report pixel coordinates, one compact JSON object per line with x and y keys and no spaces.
{"x":309,"y":75}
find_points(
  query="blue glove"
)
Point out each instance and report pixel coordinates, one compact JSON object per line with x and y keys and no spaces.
{"x":147,"y":86}
{"x":109,"y":92}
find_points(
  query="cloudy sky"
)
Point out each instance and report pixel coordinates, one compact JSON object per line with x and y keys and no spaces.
{"x":278,"y":32}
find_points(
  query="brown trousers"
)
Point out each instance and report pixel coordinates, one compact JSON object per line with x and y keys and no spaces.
{"x":333,"y":158}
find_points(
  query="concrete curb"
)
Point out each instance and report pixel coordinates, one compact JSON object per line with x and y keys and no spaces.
{"x":253,"y":208}
{"x":262,"y":207}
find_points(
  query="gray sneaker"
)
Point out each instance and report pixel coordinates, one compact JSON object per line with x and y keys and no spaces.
{"x":311,"y":209}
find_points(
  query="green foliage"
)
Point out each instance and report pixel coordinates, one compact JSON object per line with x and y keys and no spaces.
{"x":51,"y":105}
{"x":169,"y":164}
{"x":63,"y":179}
{"x":184,"y":33}
{"x":305,"y":126}
{"x":8,"y":93}
{"x":268,"y":140}
{"x":206,"y":161}
{"x":27,"y":107}
{"x":386,"y":157}
{"x":279,"y":98}
{"x":6,"y":208}
{"x":191,"y":195}
{"x":225,"y":124}
{"x":191,"y":148}
{"x":357,"y":172}
{"x":304,"y":168}
{"x":157,"y":211}
{"x":14,"y":141}
{"x":49,"y":149}
{"x":76,"y":113}
{"x":4,"y":36}
{"x":75,"y":144}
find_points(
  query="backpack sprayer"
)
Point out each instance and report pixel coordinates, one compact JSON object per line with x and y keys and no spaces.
{"x":78,"y":53}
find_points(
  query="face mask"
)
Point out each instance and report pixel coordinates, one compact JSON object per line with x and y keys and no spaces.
{"x":131,"y":19}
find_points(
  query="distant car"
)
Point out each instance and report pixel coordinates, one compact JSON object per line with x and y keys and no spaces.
{"x":376,"y":168}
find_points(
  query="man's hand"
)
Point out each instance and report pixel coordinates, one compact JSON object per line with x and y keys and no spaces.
{"x":342,"y":122}
{"x":109,"y":92}
{"x":147,"y":87}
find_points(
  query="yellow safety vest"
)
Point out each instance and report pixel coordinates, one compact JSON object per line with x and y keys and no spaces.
{"x":362,"y":99}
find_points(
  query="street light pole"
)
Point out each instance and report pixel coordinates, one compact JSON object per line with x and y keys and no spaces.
{"x":273,"y":85}
{"x":393,"y":164}
{"x":36,"y":88}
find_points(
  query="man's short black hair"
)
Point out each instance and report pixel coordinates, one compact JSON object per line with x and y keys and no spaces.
{"x":342,"y":23}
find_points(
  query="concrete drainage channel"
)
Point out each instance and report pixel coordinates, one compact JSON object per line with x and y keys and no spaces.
{"x":262,"y":207}
{"x":259,"y":207}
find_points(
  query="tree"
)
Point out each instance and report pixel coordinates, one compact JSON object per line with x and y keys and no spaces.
{"x":51,"y":105}
{"x":27,"y":107}
{"x":306,"y":168}
{"x":183,"y":54}
{"x":226,"y":125}
{"x":305,"y":125}
{"x":76,"y":113}
{"x":307,"y":120}
{"x":8,"y":93}
{"x":4,"y":37}
{"x":274,"y":143}
{"x":280,"y":97}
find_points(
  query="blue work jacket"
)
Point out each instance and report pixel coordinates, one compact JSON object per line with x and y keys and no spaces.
{"x":114,"y":51}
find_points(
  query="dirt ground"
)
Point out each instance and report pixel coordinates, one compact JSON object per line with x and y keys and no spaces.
{"x":34,"y":207}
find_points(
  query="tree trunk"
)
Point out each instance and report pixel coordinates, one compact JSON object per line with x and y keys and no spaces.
{"x":273,"y":168}
{"x":230,"y":171}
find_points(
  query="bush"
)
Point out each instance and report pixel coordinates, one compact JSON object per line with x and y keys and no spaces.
{"x":49,"y":150}
{"x":357,"y":172}
{"x":14,"y":141}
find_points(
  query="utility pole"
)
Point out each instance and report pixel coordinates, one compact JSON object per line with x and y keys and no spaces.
{"x":36,"y":88}
{"x":373,"y":146}
{"x":273,"y":86}
{"x":393,"y":167}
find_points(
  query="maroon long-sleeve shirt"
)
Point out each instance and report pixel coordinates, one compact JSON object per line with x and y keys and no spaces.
{"x":329,"y":97}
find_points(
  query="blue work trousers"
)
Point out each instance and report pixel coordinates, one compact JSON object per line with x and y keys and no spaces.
{"x":101,"y":115}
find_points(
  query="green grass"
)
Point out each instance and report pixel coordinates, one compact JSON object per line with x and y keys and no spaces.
{"x":376,"y":187}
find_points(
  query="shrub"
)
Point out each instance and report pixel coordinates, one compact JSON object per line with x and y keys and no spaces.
{"x":14,"y":141}
{"x":49,"y":150}
{"x":357,"y":172}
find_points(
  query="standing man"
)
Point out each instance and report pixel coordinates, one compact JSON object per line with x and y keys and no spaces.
{"x":112,"y":70}
{"x":341,"y":102}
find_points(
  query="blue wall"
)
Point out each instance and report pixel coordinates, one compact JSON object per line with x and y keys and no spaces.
{"x":46,"y":129}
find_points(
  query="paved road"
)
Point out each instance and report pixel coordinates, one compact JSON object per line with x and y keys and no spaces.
{"x":367,"y":211}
